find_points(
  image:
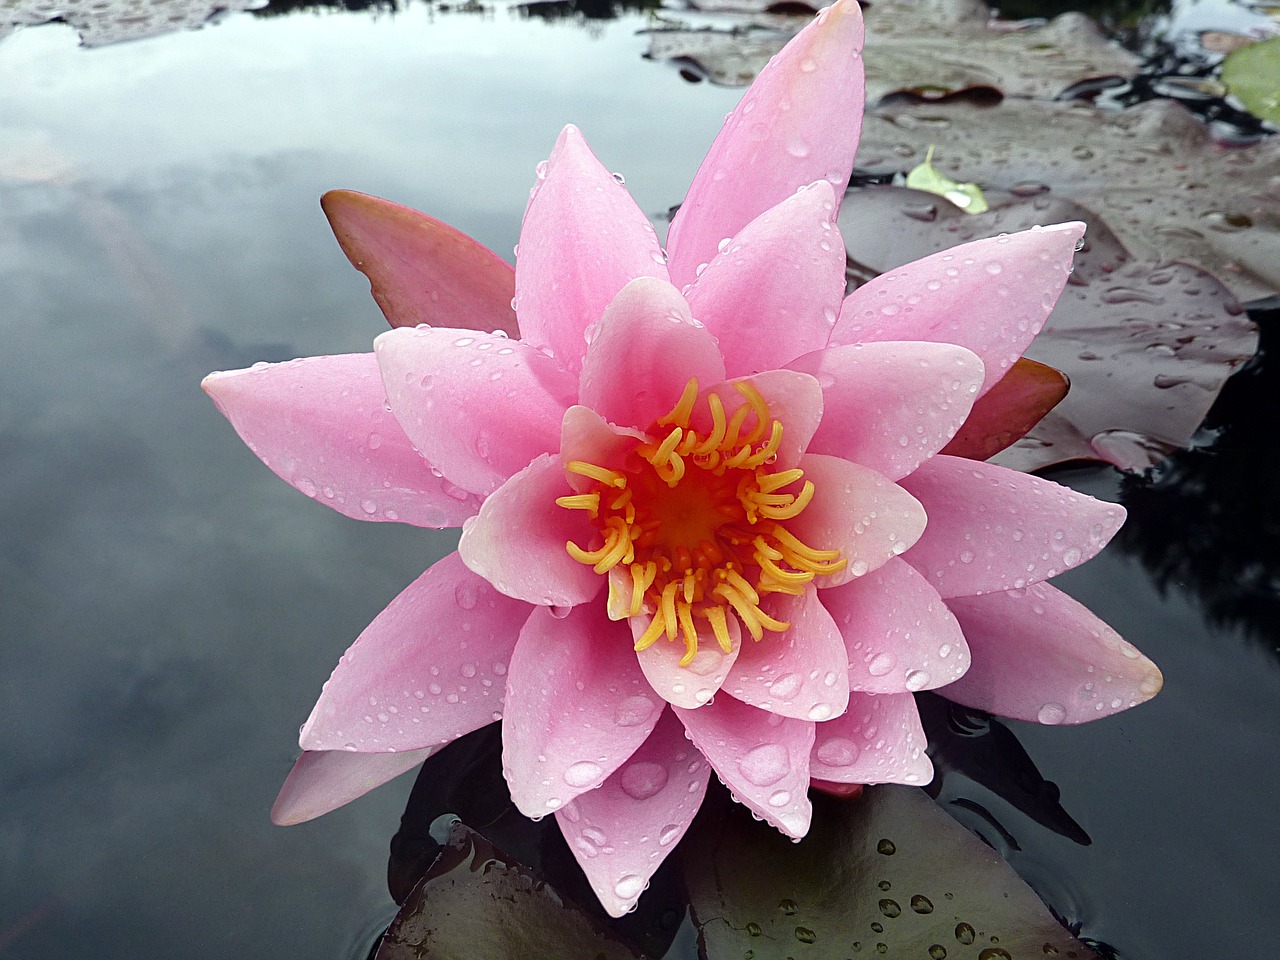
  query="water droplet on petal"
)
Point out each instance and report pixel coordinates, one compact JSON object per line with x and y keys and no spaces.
{"x":582,"y":773}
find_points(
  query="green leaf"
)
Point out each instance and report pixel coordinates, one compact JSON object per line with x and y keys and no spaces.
{"x":967,"y":196}
{"x":890,"y":874}
{"x":1252,"y":73}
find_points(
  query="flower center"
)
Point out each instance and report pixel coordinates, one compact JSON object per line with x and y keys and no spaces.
{"x":695,"y":523}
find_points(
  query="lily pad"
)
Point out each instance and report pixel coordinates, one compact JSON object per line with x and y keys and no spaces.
{"x":1166,"y":189}
{"x":475,"y":901}
{"x":100,"y":22}
{"x":887,"y":874}
{"x":1147,"y":346}
{"x":1252,"y":73}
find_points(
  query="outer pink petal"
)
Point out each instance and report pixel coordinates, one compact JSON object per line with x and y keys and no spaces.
{"x":692,"y":686}
{"x":802,"y":673}
{"x":891,"y":406}
{"x":582,"y":240}
{"x":878,"y":740}
{"x":798,"y":122}
{"x":898,"y":632}
{"x":325,"y":780}
{"x":991,"y":296}
{"x":773,"y":292}
{"x":621,"y":832}
{"x":762,"y":758}
{"x":794,"y":399}
{"x":320,"y":424}
{"x":857,"y":511}
{"x":421,"y":270}
{"x":991,"y":528}
{"x":577,"y":708}
{"x":517,"y":541}
{"x":643,"y":352}
{"x":1039,"y":655}
{"x":477,"y":405}
{"x":430,"y":667}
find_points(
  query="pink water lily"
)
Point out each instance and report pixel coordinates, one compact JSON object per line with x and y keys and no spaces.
{"x":706,"y":524}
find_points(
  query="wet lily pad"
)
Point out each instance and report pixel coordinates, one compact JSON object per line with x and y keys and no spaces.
{"x":100,"y":22}
{"x":1166,"y":189}
{"x":1252,"y":73}
{"x":887,"y":874}
{"x":475,"y":901}
{"x":1147,"y":346}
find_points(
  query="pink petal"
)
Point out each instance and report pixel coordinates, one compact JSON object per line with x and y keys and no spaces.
{"x":582,"y":240}
{"x":421,"y":270}
{"x":763,"y":758}
{"x":621,"y":832}
{"x":1007,"y":412}
{"x":694,"y":685}
{"x":991,"y":296}
{"x":898,"y":632}
{"x":846,"y":790}
{"x":587,"y":436}
{"x":991,"y":528}
{"x":429,"y":668}
{"x":797,"y":123}
{"x":325,"y":780}
{"x":645,"y":349}
{"x":878,"y":740}
{"x":517,"y":541}
{"x":773,"y":292}
{"x":794,"y":399}
{"x":1039,"y":655}
{"x":857,"y":511}
{"x":891,"y":406}
{"x":477,"y":405}
{"x":577,"y":708}
{"x":802,"y":673}
{"x":320,"y":425}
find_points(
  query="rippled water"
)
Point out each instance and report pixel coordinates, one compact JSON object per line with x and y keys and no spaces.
{"x":170,"y":609}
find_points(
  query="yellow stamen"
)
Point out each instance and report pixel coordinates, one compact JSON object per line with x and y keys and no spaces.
{"x":581,"y":501}
{"x":684,"y":407}
{"x":720,"y":626}
{"x":610,"y":477}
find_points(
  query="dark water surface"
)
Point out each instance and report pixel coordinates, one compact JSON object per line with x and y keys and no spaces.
{"x":169,"y":608}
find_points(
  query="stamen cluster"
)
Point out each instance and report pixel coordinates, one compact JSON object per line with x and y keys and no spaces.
{"x":695,"y":523}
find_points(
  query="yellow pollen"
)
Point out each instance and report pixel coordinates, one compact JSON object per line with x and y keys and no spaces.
{"x":695,"y":516}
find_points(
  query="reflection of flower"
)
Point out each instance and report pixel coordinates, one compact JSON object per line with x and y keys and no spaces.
{"x":697,"y":476}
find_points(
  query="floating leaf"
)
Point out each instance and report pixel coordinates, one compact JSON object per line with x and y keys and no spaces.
{"x":1252,"y":73}
{"x":887,"y":874}
{"x":967,"y":196}
{"x":1008,"y":411}
{"x":100,"y":22}
{"x":475,"y":901}
{"x":420,"y":269}
{"x":1152,"y":171}
{"x":1146,"y":346}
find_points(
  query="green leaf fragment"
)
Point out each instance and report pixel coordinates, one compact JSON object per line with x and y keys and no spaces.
{"x":967,"y":196}
{"x":1252,"y":73}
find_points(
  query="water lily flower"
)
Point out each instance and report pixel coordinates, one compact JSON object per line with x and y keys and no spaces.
{"x":705,"y":523}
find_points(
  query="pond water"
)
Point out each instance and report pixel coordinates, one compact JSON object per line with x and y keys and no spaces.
{"x":169,"y":609}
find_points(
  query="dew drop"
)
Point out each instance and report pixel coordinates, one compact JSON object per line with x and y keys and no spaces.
{"x":582,"y":773}
{"x":765,"y":764}
{"x":629,"y":886}
{"x":1052,"y":713}
{"x":838,"y":752}
{"x":643,"y":779}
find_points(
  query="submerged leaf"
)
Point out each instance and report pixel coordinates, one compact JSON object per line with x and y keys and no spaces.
{"x":1252,"y":73}
{"x":967,"y":196}
{"x":888,"y":873}
{"x":420,"y":269}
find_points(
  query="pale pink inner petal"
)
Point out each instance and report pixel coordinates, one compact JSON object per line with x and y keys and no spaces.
{"x":621,"y":832}
{"x":693,"y":685}
{"x":779,"y":138}
{"x":429,"y":668}
{"x":991,"y":296}
{"x":321,"y":425}
{"x":879,"y":739}
{"x":762,"y":757}
{"x":991,"y":528}
{"x":325,"y":780}
{"x":517,"y":541}
{"x":644,"y":350}
{"x":588,"y":437}
{"x":1039,"y":655}
{"x":857,"y":511}
{"x":477,"y":405}
{"x":577,"y":707}
{"x":891,"y":406}
{"x":899,"y":634}
{"x":803,"y":672}
{"x":582,"y":240}
{"x":794,"y":399}
{"x":773,"y":291}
